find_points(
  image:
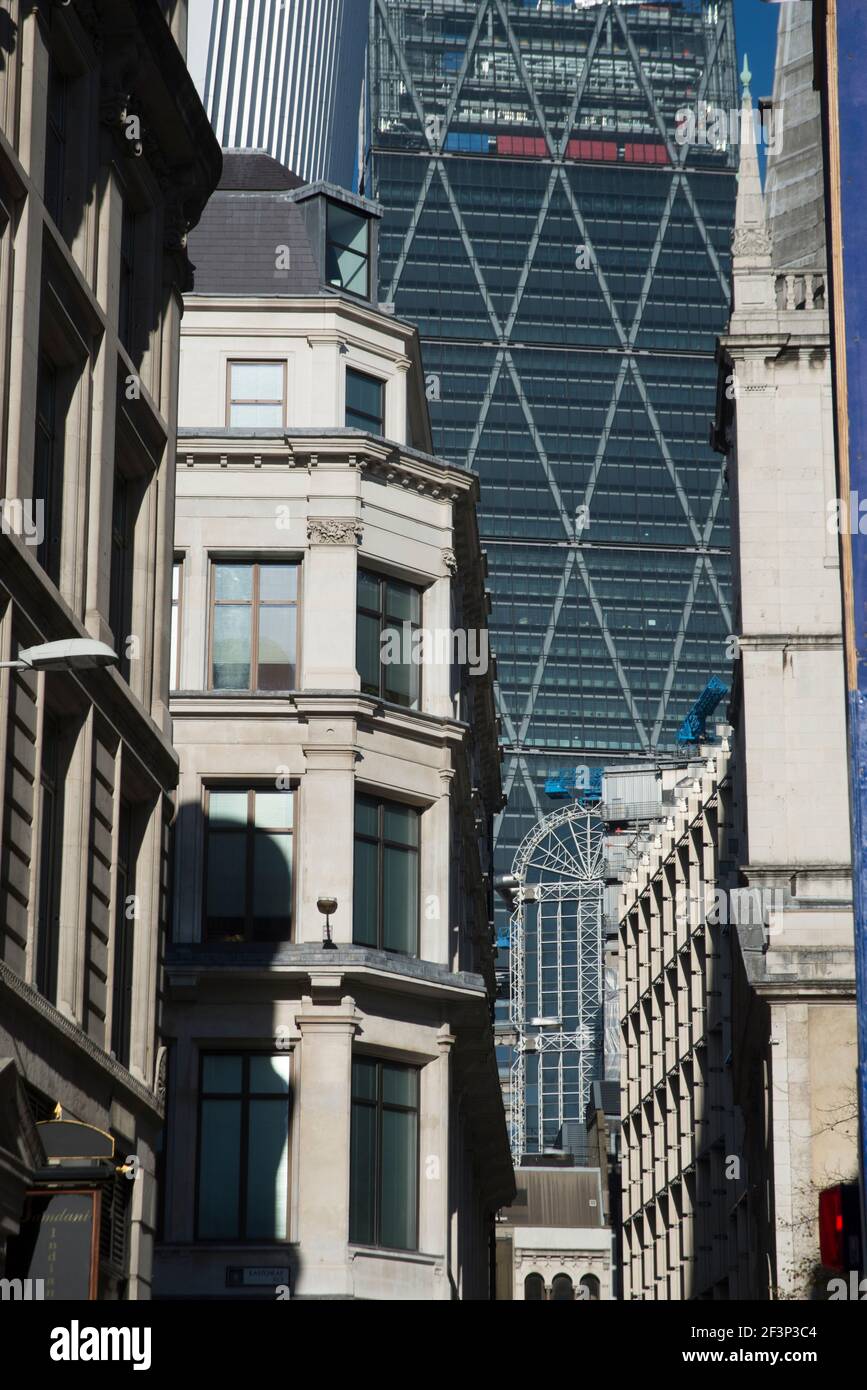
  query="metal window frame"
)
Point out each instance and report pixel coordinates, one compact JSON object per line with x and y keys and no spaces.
{"x":379,"y":381}
{"x":244,"y":1096}
{"x":255,"y":400}
{"x":382,"y":617}
{"x":250,"y":830}
{"x":382,"y":844}
{"x":254,"y":603}
{"x":380,"y":1106}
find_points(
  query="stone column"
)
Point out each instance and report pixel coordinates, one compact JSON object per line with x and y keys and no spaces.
{"x":326,"y":408}
{"x":436,"y":673}
{"x":323,"y":1115}
{"x":435,"y":1227}
{"x":329,"y":603}
{"x":395,"y":402}
{"x":436,"y":840}
{"x":326,"y":829}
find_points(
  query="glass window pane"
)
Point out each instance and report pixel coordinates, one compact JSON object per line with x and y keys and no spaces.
{"x":368,"y":652}
{"x":401,"y":823}
{"x":226,"y":887}
{"x":402,"y":601}
{"x":368,"y":590}
{"x":276,"y":648}
{"x":267,"y":1170}
{"x":176,"y":581}
{"x":219,"y":1169}
{"x":270,"y":1074}
{"x":401,"y":683}
{"x":273,"y":810}
{"x":363,"y":394}
{"x":398,"y":1192}
{"x":222,"y":1074}
{"x":399,"y":1084}
{"x":366,"y":815}
{"x":400,"y":901}
{"x":346,"y":269}
{"x":278,"y":582}
{"x":272,"y":886}
{"x":347,"y":227}
{"x":347,"y":246}
{"x":256,"y":417}
{"x":231,"y":648}
{"x":173,"y":654}
{"x":364,"y":896}
{"x":234,"y":581}
{"x":227,"y":808}
{"x":363,"y":1078}
{"x":257,"y":381}
{"x":362,"y":1175}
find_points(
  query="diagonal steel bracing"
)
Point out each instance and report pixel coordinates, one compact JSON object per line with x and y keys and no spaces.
{"x":435,"y":133}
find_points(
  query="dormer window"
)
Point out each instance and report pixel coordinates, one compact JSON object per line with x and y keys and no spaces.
{"x":347,"y":250}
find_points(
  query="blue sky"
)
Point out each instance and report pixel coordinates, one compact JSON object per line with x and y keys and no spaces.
{"x":756,"y":34}
{"x":756,"y":31}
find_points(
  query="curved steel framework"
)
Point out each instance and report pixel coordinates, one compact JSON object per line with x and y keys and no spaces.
{"x":556,"y":974}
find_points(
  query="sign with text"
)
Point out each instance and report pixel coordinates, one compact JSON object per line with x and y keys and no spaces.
{"x":59,"y":1243}
{"x":249,"y":1276}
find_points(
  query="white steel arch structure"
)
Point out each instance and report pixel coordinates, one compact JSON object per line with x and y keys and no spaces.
{"x":556,"y":1005}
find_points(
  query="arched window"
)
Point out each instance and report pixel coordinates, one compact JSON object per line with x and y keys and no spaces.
{"x":561,"y":1288}
{"x":534,"y":1288}
{"x":591,"y":1284}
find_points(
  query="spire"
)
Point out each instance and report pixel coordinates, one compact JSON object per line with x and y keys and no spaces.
{"x":752,"y":243}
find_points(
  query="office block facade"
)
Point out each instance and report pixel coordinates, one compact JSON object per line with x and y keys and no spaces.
{"x":106,"y":159}
{"x":284,"y":76}
{"x":335,"y":1118}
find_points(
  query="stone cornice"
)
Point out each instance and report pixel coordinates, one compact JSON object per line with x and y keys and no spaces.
{"x":382,"y":459}
{"x":322,"y":304}
{"x":354,"y":966}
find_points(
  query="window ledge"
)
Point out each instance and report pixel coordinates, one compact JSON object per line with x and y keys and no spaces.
{"x":379,"y":1252}
{"x":403,"y":972}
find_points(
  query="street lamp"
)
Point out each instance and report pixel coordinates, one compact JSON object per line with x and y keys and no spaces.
{"x":72,"y":654}
{"x":326,"y":907}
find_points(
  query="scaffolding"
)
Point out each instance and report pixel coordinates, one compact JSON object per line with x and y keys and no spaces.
{"x":556,"y":1004}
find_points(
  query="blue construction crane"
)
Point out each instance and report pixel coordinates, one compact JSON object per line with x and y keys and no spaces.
{"x":692,"y":730}
{"x":576,"y":784}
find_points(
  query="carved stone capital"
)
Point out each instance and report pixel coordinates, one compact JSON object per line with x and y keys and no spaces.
{"x":450,"y":561}
{"x":334,"y":531}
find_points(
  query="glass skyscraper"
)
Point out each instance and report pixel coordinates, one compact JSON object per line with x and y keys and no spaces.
{"x":284,"y":76}
{"x":567,"y":260}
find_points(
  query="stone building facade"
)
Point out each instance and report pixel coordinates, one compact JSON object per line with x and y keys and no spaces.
{"x":335,"y":1120}
{"x":106,"y":159}
{"x":683,"y":1218}
{"x":553,"y":1242}
{"x":794,"y":989}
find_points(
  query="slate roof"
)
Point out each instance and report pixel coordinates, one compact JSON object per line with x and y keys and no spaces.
{"x":236,"y":246}
{"x":556,"y":1197}
{"x":255,"y":170}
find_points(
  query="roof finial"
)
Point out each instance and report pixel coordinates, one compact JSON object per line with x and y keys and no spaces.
{"x":746,"y":76}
